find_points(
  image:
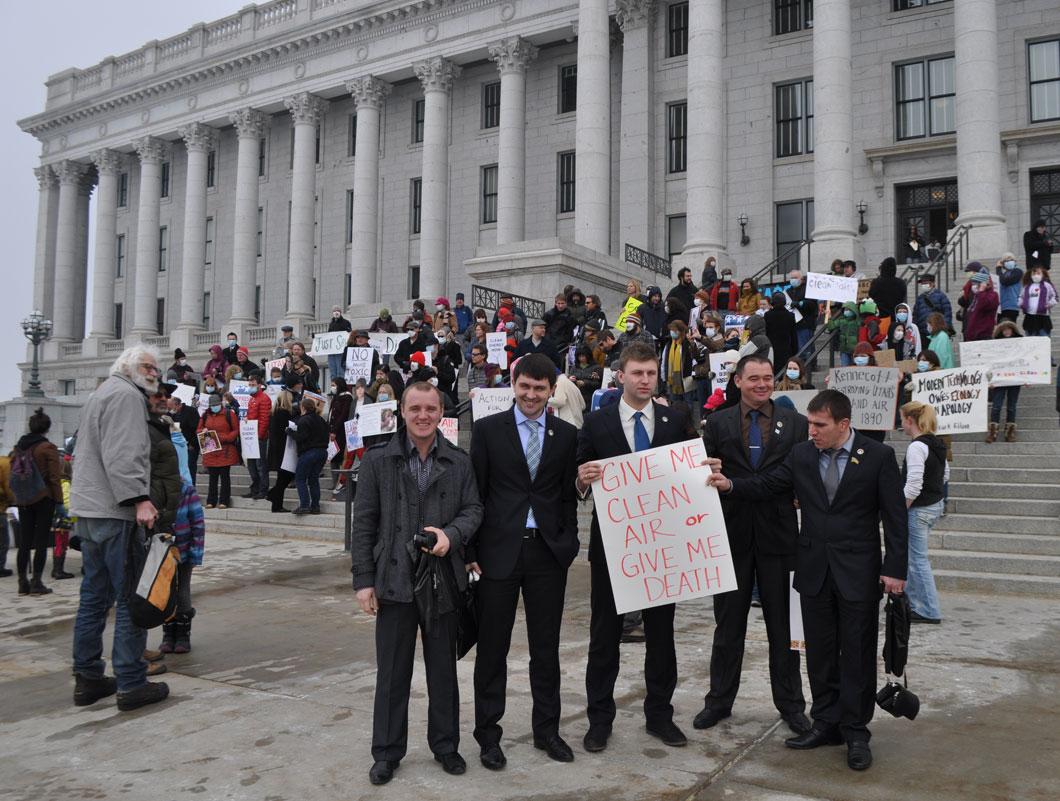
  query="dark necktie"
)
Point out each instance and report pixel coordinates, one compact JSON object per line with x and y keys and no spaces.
{"x":754,"y":439}
{"x":831,"y":473}
{"x":641,"y":440}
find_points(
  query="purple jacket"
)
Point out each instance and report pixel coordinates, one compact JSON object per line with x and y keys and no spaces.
{"x":1039,"y":302}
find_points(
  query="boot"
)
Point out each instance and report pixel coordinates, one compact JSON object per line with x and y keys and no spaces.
{"x":1010,"y":432}
{"x":991,"y":435}
{"x":57,"y":568}
{"x":183,"y":643}
{"x":87,"y":691}
{"x":23,"y":585}
{"x":169,"y":638}
{"x":36,"y":587}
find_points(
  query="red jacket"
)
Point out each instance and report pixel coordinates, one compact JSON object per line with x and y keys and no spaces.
{"x":981,"y":315}
{"x":872,"y":331}
{"x":260,"y":409}
{"x":226,"y":425}
{"x":734,"y":294}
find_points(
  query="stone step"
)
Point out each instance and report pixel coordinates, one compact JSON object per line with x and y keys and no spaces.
{"x":1047,"y":450}
{"x":282,"y":528}
{"x":1036,"y":565}
{"x":997,"y":523}
{"x":1008,"y":508}
{"x":1005,"y":475}
{"x":997,"y":583}
{"x":1042,"y":544}
{"x":1004,"y":490}
{"x":1011,"y":461}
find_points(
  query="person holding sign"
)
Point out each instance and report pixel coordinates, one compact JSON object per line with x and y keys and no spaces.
{"x":751,"y":438}
{"x":635,"y":423}
{"x":222,"y":425}
{"x":844,"y":483}
{"x":524,"y":464}
{"x":259,"y":410}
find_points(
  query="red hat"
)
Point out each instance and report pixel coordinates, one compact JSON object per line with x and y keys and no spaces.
{"x":419,"y":358}
{"x":243,"y":349}
{"x":716,"y":399}
{"x":504,"y":314}
{"x":442,"y":301}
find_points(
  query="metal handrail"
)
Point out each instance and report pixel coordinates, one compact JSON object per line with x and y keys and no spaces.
{"x":808,"y":347}
{"x":484,"y":297}
{"x":946,"y":266}
{"x":649,"y":261}
{"x":769,"y":268}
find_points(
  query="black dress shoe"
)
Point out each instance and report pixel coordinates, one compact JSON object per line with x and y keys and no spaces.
{"x":668,"y":732}
{"x":916,"y":618}
{"x":859,"y":756}
{"x":382,"y":771}
{"x":596,"y":738}
{"x":797,"y":722}
{"x":555,"y":747}
{"x":709,"y":717}
{"x":492,"y":758}
{"x":452,"y":763}
{"x":815,"y":738}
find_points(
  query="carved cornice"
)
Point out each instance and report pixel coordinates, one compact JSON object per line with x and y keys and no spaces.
{"x":46,"y":177}
{"x":305,"y":108}
{"x":512,"y":54}
{"x":249,"y":122}
{"x":436,"y":74}
{"x":631,"y":14}
{"x":108,"y":162}
{"x":198,"y":137}
{"x":368,"y":92}
{"x":69,"y":173}
{"x":150,"y":149}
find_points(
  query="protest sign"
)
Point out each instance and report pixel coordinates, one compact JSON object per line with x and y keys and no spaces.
{"x":800,"y":397}
{"x":873,"y":393}
{"x":359,"y":365}
{"x":275,"y":364}
{"x":208,"y":442}
{"x":796,"y":631}
{"x":450,"y":428}
{"x":632,"y":304}
{"x":273,"y":390}
{"x":204,"y":402}
{"x":353,"y":435}
{"x":884,"y":358}
{"x":734,"y":322}
{"x":721,"y":364}
{"x":241,"y":392}
{"x":825,"y":286}
{"x":490,"y":401}
{"x":864,"y":285}
{"x":1012,"y":361}
{"x":495,"y":352}
{"x":290,"y":456}
{"x":662,"y":527}
{"x":248,"y":438}
{"x":386,"y":344}
{"x":185,"y":392}
{"x":333,"y":450}
{"x":958,"y":396}
{"x":377,"y":418}
{"x":608,"y":376}
{"x":329,"y":343}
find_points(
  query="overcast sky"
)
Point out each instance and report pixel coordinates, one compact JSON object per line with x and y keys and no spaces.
{"x":40,"y":39}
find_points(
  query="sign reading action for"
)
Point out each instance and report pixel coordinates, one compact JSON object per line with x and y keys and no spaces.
{"x":662,"y":528}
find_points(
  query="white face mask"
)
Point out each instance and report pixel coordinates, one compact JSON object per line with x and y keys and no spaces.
{"x":438,"y":306}
{"x":432,"y":381}
{"x":630,"y":327}
{"x":861,"y":361}
{"x":182,"y":362}
{"x":1036,"y":278}
{"x":710,"y":331}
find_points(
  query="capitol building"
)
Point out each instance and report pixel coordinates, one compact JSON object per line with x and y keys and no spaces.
{"x":298,"y":154}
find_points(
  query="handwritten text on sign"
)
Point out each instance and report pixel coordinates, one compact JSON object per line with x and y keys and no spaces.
{"x":386,"y":344}
{"x":359,"y":365}
{"x":958,"y":397}
{"x":873,"y":393}
{"x":662,"y":528}
{"x":330,"y":343}
{"x":1012,"y":361}
{"x":823,"y":286}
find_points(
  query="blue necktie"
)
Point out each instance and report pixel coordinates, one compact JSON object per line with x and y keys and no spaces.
{"x":533,"y":448}
{"x":641,"y":440}
{"x":754,"y":440}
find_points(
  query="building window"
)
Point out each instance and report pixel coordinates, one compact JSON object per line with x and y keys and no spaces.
{"x":931,"y":209}
{"x":261,"y":157}
{"x":419,"y":112}
{"x":416,"y":195}
{"x":794,"y":224}
{"x":207,"y":257}
{"x":261,"y":230}
{"x":925,"y":94}
{"x":677,"y":137}
{"x":1044,"y":60}
{"x":676,"y":234}
{"x":568,"y":88}
{"x":165,"y":179}
{"x":792,"y":15}
{"x":677,"y":29}
{"x":316,"y":144}
{"x":351,"y":137}
{"x":160,"y":316}
{"x":119,"y":319}
{"x":67,"y":386}
{"x":206,"y":310}
{"x":489,"y":194}
{"x":257,"y":304}
{"x":566,"y":182}
{"x":491,"y":104}
{"x":1045,"y":200}
{"x":349,"y":217}
{"x":119,"y":253}
{"x":163,"y":248}
{"x":211,"y":169}
{"x":123,"y":190}
{"x":414,"y":281}
{"x":905,"y":5}
{"x":794,"y":116}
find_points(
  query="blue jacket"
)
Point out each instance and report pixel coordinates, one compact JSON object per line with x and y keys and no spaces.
{"x":463,"y":318}
{"x":929,"y":302}
{"x":1009,"y":288}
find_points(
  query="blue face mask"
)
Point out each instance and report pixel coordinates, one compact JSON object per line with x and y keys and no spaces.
{"x":795,"y":282}
{"x":215,"y":408}
{"x":674,"y":335}
{"x":861,"y":361}
{"x":902,"y":316}
{"x":793,"y":375}
{"x":1010,"y":265}
{"x":848,"y":313}
{"x":923,"y":366}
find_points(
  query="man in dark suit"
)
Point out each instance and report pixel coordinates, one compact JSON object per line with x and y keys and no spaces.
{"x":635,"y":423}
{"x":750,"y":438}
{"x":524,"y":464}
{"x":845,"y":484}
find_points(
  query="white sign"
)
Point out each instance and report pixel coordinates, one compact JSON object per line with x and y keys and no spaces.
{"x":329,"y":343}
{"x":185,"y":392}
{"x":873,"y":393}
{"x":495,"y":352}
{"x":275,"y":364}
{"x":1010,"y":362}
{"x":333,"y":450}
{"x":608,"y":377}
{"x":733,"y":322}
{"x":248,"y":438}
{"x":359,"y":365}
{"x":353,"y":436}
{"x":273,"y":390}
{"x":450,"y":428}
{"x":796,"y":631}
{"x":290,"y":456}
{"x":241,"y":392}
{"x":377,"y":418}
{"x":491,"y":401}
{"x":958,"y":396}
{"x":386,"y":344}
{"x":799,"y":397}
{"x":837,"y":288}
{"x":721,"y":364}
{"x":662,"y":527}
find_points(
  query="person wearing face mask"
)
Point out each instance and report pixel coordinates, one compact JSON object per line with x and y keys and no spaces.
{"x":750,"y":299}
{"x":384,"y":323}
{"x":215,"y":367}
{"x":443,"y":315}
{"x":981,"y":313}
{"x":864,"y":356}
{"x":713,"y":336}
{"x":903,"y":315}
{"x":224,"y":424}
{"x":1038,"y":245}
{"x":180,"y":368}
{"x":634,"y":333}
{"x":724,"y":294}
{"x":794,"y":378}
{"x":1007,"y":396}
{"x":845,"y":326}
{"x":259,"y":409}
{"x":900,"y":340}
{"x":939,"y":340}
{"x":1037,"y":299}
{"x":676,"y":361}
{"x":929,"y":301}
{"x":887,"y":289}
{"x":231,"y":347}
{"x":1008,"y":279}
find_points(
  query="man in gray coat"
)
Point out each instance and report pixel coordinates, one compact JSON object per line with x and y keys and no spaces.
{"x":110,"y":496}
{"x":417,"y":510}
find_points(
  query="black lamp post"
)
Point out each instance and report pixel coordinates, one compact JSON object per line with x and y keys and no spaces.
{"x":745,"y":240}
{"x":37,"y":330}
{"x":862,"y":208}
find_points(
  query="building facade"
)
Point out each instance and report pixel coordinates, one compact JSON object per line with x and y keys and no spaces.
{"x":300,"y":154}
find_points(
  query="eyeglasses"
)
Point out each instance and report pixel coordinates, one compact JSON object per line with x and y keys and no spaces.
{"x":151,"y":368}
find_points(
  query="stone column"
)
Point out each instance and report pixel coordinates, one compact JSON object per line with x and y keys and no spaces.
{"x":306,"y":113}
{"x":152,"y":153}
{"x":368,"y":94}
{"x":84,"y":195}
{"x":108,"y":166}
{"x":436,"y":75}
{"x":512,"y":55}
{"x":70,"y":174}
{"x":198,"y":139}
{"x":47,"y":222}
{"x":978,"y":128}
{"x":636,"y":207}
{"x":705,"y":173}
{"x":250,"y":127}
{"x":592,"y":134}
{"x":835,"y":231}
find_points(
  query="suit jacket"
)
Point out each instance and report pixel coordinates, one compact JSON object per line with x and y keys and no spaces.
{"x":507,"y":492}
{"x":771,"y":526}
{"x":843,"y":536}
{"x":602,"y":437}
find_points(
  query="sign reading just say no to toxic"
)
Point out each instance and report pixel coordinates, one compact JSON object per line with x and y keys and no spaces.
{"x":662,"y":527}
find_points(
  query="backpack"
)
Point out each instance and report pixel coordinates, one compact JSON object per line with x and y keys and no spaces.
{"x":151,"y":579}
{"x":27,"y":483}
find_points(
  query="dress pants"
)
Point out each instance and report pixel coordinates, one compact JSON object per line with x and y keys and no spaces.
{"x":841,"y":659}
{"x":730,"y":614}
{"x":396,"y":626}
{"x":605,"y":634}
{"x":543,"y":582}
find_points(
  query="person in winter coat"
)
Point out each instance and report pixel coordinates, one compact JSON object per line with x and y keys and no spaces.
{"x":594,"y":314}
{"x":795,"y":377}
{"x":653,"y":313}
{"x":685,"y":289}
{"x":310,"y":434}
{"x":567,"y":402}
{"x":587,"y":375}
{"x":231,"y":348}
{"x":1008,"y":279}
{"x":166,"y":482}
{"x":634,"y":333}
{"x":336,"y":365}
{"x":36,"y":500}
{"x":939,"y":340}
{"x":1004,"y":396}
{"x":358,"y":338}
{"x":180,"y":368}
{"x":749,"y":298}
{"x":725,"y":294}
{"x":463,"y":315}
{"x":710,"y":274}
{"x":559,"y":323}
{"x":713,"y":338}
{"x":780,"y":328}
{"x":676,"y":361}
{"x":216,"y":366}
{"x":930,"y":300}
{"x":846,"y":325}
{"x":537,"y":342}
{"x":755,"y":340}
{"x":284,"y":410}
{"x":443,"y":315}
{"x":981,"y":314}
{"x":224,"y":424}
{"x":384,"y":323}
{"x":871,"y":329}
{"x":1038,"y":245}
{"x":301,"y":364}
{"x":887,"y":289}
{"x":259,"y":410}
{"x":902,"y":341}
{"x":1036,"y":300}
{"x":903,"y":315}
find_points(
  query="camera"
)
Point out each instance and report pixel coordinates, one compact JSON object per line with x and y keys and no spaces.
{"x":898,"y":701}
{"x":426,"y":540}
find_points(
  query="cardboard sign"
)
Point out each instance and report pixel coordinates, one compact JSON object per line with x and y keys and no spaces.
{"x":208,"y":442}
{"x":662,"y":527}
{"x":359,"y":365}
{"x":796,"y":631}
{"x":278,"y":364}
{"x":290,"y":456}
{"x":800,"y":397}
{"x":825,"y":286}
{"x":632,"y":304}
{"x":185,"y":392}
{"x":958,"y":396}
{"x":248,"y":438}
{"x":863,"y":288}
{"x":491,"y":401}
{"x":1010,"y":362}
{"x":495,"y":352}
{"x":374,"y":419}
{"x":873,"y":393}
{"x":450,"y":428}
{"x":721,"y":364}
{"x":386,"y":344}
{"x":329,"y":343}
{"x":353,"y":435}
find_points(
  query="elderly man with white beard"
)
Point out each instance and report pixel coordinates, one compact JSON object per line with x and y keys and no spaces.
{"x":110,"y":498}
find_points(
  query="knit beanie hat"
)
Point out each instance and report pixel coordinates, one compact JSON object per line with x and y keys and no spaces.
{"x":868,"y":306}
{"x":418,"y":358}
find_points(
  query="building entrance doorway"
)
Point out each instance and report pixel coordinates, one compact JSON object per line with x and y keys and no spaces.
{"x":925,"y":213}
{"x":1045,"y":200}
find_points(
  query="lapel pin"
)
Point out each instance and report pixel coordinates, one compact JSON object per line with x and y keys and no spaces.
{"x":780,"y":423}
{"x":551,"y":433}
{"x":861,"y":451}
{"x":855,"y":460}
{"x":666,"y":419}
